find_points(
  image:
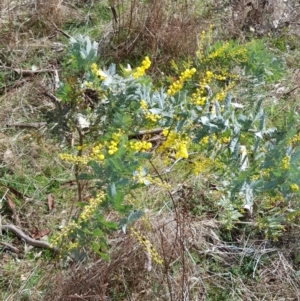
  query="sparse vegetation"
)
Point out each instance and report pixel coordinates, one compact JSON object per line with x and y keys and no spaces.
{"x":154,"y":147}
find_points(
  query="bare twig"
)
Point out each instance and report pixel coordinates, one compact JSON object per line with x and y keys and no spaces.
{"x":12,"y":206}
{"x":9,"y":246}
{"x":35,"y":125}
{"x":27,"y":239}
{"x":15,"y":192}
{"x":145,"y":132}
{"x":28,"y":71}
{"x":17,"y":84}
{"x":166,"y":266}
{"x":77,"y":170}
{"x":59,"y":30}
{"x":292,"y":90}
{"x":52,"y":97}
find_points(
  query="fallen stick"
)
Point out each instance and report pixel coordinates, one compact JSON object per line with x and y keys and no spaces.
{"x":34,"y":125}
{"x":27,"y":239}
{"x":9,"y":246}
{"x":59,"y":30}
{"x":6,"y":89}
{"x":145,"y":132}
{"x":292,"y":90}
{"x":28,"y":71}
{"x":52,"y":97}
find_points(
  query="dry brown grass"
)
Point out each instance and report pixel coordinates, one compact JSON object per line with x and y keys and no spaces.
{"x":261,"y":17}
{"x":198,"y":265}
{"x":164,"y":30}
{"x":130,"y":275}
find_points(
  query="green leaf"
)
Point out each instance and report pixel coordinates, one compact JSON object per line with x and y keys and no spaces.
{"x":233,"y":146}
{"x":96,"y":247}
{"x":112,"y":190}
{"x":97,"y":232}
{"x":97,"y":168}
{"x":142,"y":155}
{"x":107,"y":224}
{"x":85,"y":176}
{"x":117,"y":203}
{"x":103,"y":256}
{"x":133,"y":216}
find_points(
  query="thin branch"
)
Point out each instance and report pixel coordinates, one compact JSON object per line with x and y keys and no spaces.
{"x":35,"y":125}
{"x":27,"y":239}
{"x":19,"y":83}
{"x":28,"y":71}
{"x":292,"y":90}
{"x":9,"y":246}
{"x":59,"y":30}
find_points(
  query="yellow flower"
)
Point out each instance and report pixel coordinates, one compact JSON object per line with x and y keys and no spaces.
{"x":85,"y":214}
{"x":140,"y":146}
{"x":152,"y":117}
{"x":143,"y":105}
{"x":295,"y":139}
{"x":147,"y":246}
{"x":98,"y":72}
{"x":202,"y":165}
{"x":175,"y":143}
{"x":294,"y":187}
{"x":140,"y":71}
{"x":205,"y":140}
{"x":285,"y":162}
{"x":178,"y":84}
{"x":101,"y":74}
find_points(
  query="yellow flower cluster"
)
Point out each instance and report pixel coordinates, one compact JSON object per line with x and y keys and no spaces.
{"x":95,"y":155}
{"x":141,"y":178}
{"x":222,"y":94}
{"x":219,"y":52}
{"x":225,"y":140}
{"x":254,"y":178}
{"x":285,"y":162}
{"x":113,"y":145}
{"x":225,"y":51}
{"x":239,"y":54}
{"x":140,"y":71}
{"x":178,"y":84}
{"x":81,"y":147}
{"x":75,"y":159}
{"x":295,"y":139}
{"x":200,"y":95}
{"x":86,"y":213}
{"x":294,"y":187}
{"x":146,"y":222}
{"x":266,"y":172}
{"x":147,"y":246}
{"x":204,"y":39}
{"x":152,"y":117}
{"x":88,"y":85}
{"x":202,"y":165}
{"x":97,"y":152}
{"x":98,"y":72}
{"x":140,"y":146}
{"x":88,"y":210}
{"x":143,"y":105}
{"x":269,"y":202}
{"x":175,"y":143}
{"x":148,"y":115}
{"x":205,"y":140}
